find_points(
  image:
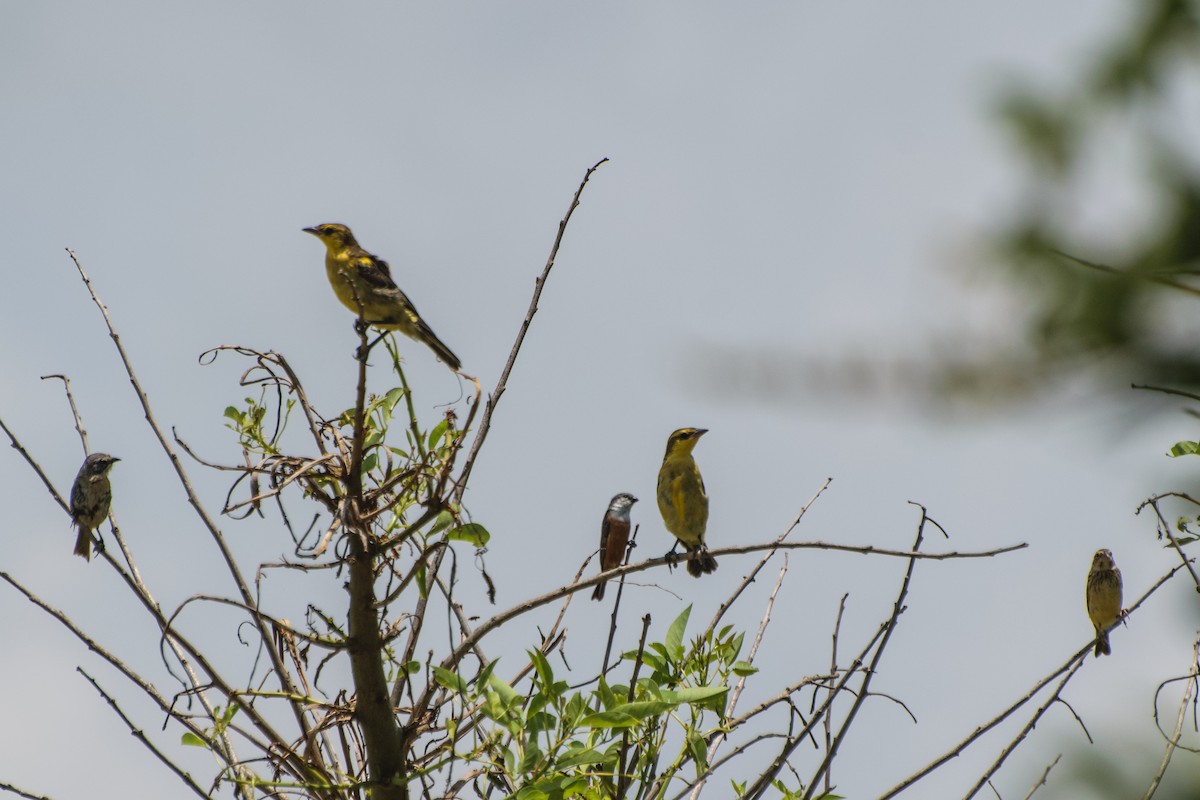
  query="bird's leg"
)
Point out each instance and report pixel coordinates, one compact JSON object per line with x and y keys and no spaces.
{"x":361,"y":353}
{"x":98,"y":542}
{"x":671,"y":557}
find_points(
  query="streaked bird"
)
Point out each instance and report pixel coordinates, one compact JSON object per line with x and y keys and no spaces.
{"x":683,"y":501}
{"x":1103,"y":598}
{"x":91,"y":496}
{"x":360,"y":277}
{"x":614,"y":536}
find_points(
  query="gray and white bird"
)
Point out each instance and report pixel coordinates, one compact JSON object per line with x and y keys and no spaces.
{"x":91,"y":496}
{"x":614,"y":536}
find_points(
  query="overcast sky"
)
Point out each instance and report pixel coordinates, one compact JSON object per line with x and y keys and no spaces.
{"x":783,"y":178}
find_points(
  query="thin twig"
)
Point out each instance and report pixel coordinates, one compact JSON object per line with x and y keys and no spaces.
{"x":8,"y":787}
{"x":494,"y":398}
{"x":1166,"y":390}
{"x":140,"y":735}
{"x":869,"y":673}
{"x":1045,"y":775}
{"x":37,"y":468}
{"x":1165,"y":527}
{"x":736,"y":692}
{"x":83,"y":437}
{"x":970,"y":739}
{"x":1173,"y":739}
{"x":622,"y":778}
{"x":1008,"y":750}
{"x":1173,"y":284}
{"x":753,"y":573}
{"x":193,"y":497}
{"x":833,"y":651}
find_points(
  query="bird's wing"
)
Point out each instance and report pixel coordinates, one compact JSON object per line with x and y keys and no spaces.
{"x":604,"y":529}
{"x":374,"y":272}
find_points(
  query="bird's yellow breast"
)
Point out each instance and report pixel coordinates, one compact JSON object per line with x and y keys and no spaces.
{"x":338,"y":270}
{"x":682,"y":499}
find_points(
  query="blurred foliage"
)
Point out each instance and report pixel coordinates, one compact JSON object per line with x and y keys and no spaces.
{"x":1099,"y":297}
{"x":1096,"y":254}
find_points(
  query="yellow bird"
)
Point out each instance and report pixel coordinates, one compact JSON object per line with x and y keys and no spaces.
{"x":352,"y":272}
{"x":1103,"y":598}
{"x":683,"y":501}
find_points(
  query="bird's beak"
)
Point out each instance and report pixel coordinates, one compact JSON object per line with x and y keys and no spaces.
{"x":313,"y":231}
{"x":633,"y":499}
{"x":700,"y":432}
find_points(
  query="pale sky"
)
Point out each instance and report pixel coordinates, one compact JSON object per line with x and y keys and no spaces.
{"x":796,"y":177}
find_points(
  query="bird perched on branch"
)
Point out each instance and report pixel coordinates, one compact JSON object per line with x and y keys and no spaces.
{"x":683,"y":501}
{"x":614,"y":536}
{"x":91,"y":496}
{"x":358,"y":278}
{"x":1103,"y":598}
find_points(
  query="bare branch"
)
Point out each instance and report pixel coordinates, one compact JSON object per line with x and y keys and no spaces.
{"x":1046,"y":774}
{"x":140,"y":735}
{"x":957,"y":749}
{"x":1173,"y":739}
{"x":501,"y":385}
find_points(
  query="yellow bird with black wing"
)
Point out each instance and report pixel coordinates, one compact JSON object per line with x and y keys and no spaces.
{"x":358,"y":277}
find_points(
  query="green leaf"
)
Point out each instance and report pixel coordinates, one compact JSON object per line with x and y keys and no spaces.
{"x":695,"y":746}
{"x":694,"y":694}
{"x":607,"y":698}
{"x":674,"y":640}
{"x":472,"y":532}
{"x":393,"y":397}
{"x":609,"y":719}
{"x":743,"y":668}
{"x":192,"y":740}
{"x":544,"y":671}
{"x":533,"y":757}
{"x":443,"y":520}
{"x":485,"y":674}
{"x":437,"y":433}
{"x":644,"y":709}
{"x":1184,"y":449}
{"x":506,"y":692}
{"x":233,"y":414}
{"x":450,"y":680}
{"x":581,"y":757}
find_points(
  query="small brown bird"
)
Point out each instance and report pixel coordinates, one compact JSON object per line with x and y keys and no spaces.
{"x":90,"y":498}
{"x":360,"y":277}
{"x":1103,"y":598}
{"x":682,"y":500}
{"x":614,"y":536}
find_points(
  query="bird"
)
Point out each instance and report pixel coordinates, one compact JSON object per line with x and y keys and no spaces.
{"x":360,"y":277}
{"x":614,"y":536}
{"x":1103,"y":598}
{"x":91,"y":495}
{"x":683,"y":501}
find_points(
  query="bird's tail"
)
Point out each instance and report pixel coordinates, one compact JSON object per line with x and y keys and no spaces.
{"x":598,"y":594}
{"x":438,"y":347}
{"x":1102,"y":646}
{"x":700,"y":562}
{"x":83,"y":543}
